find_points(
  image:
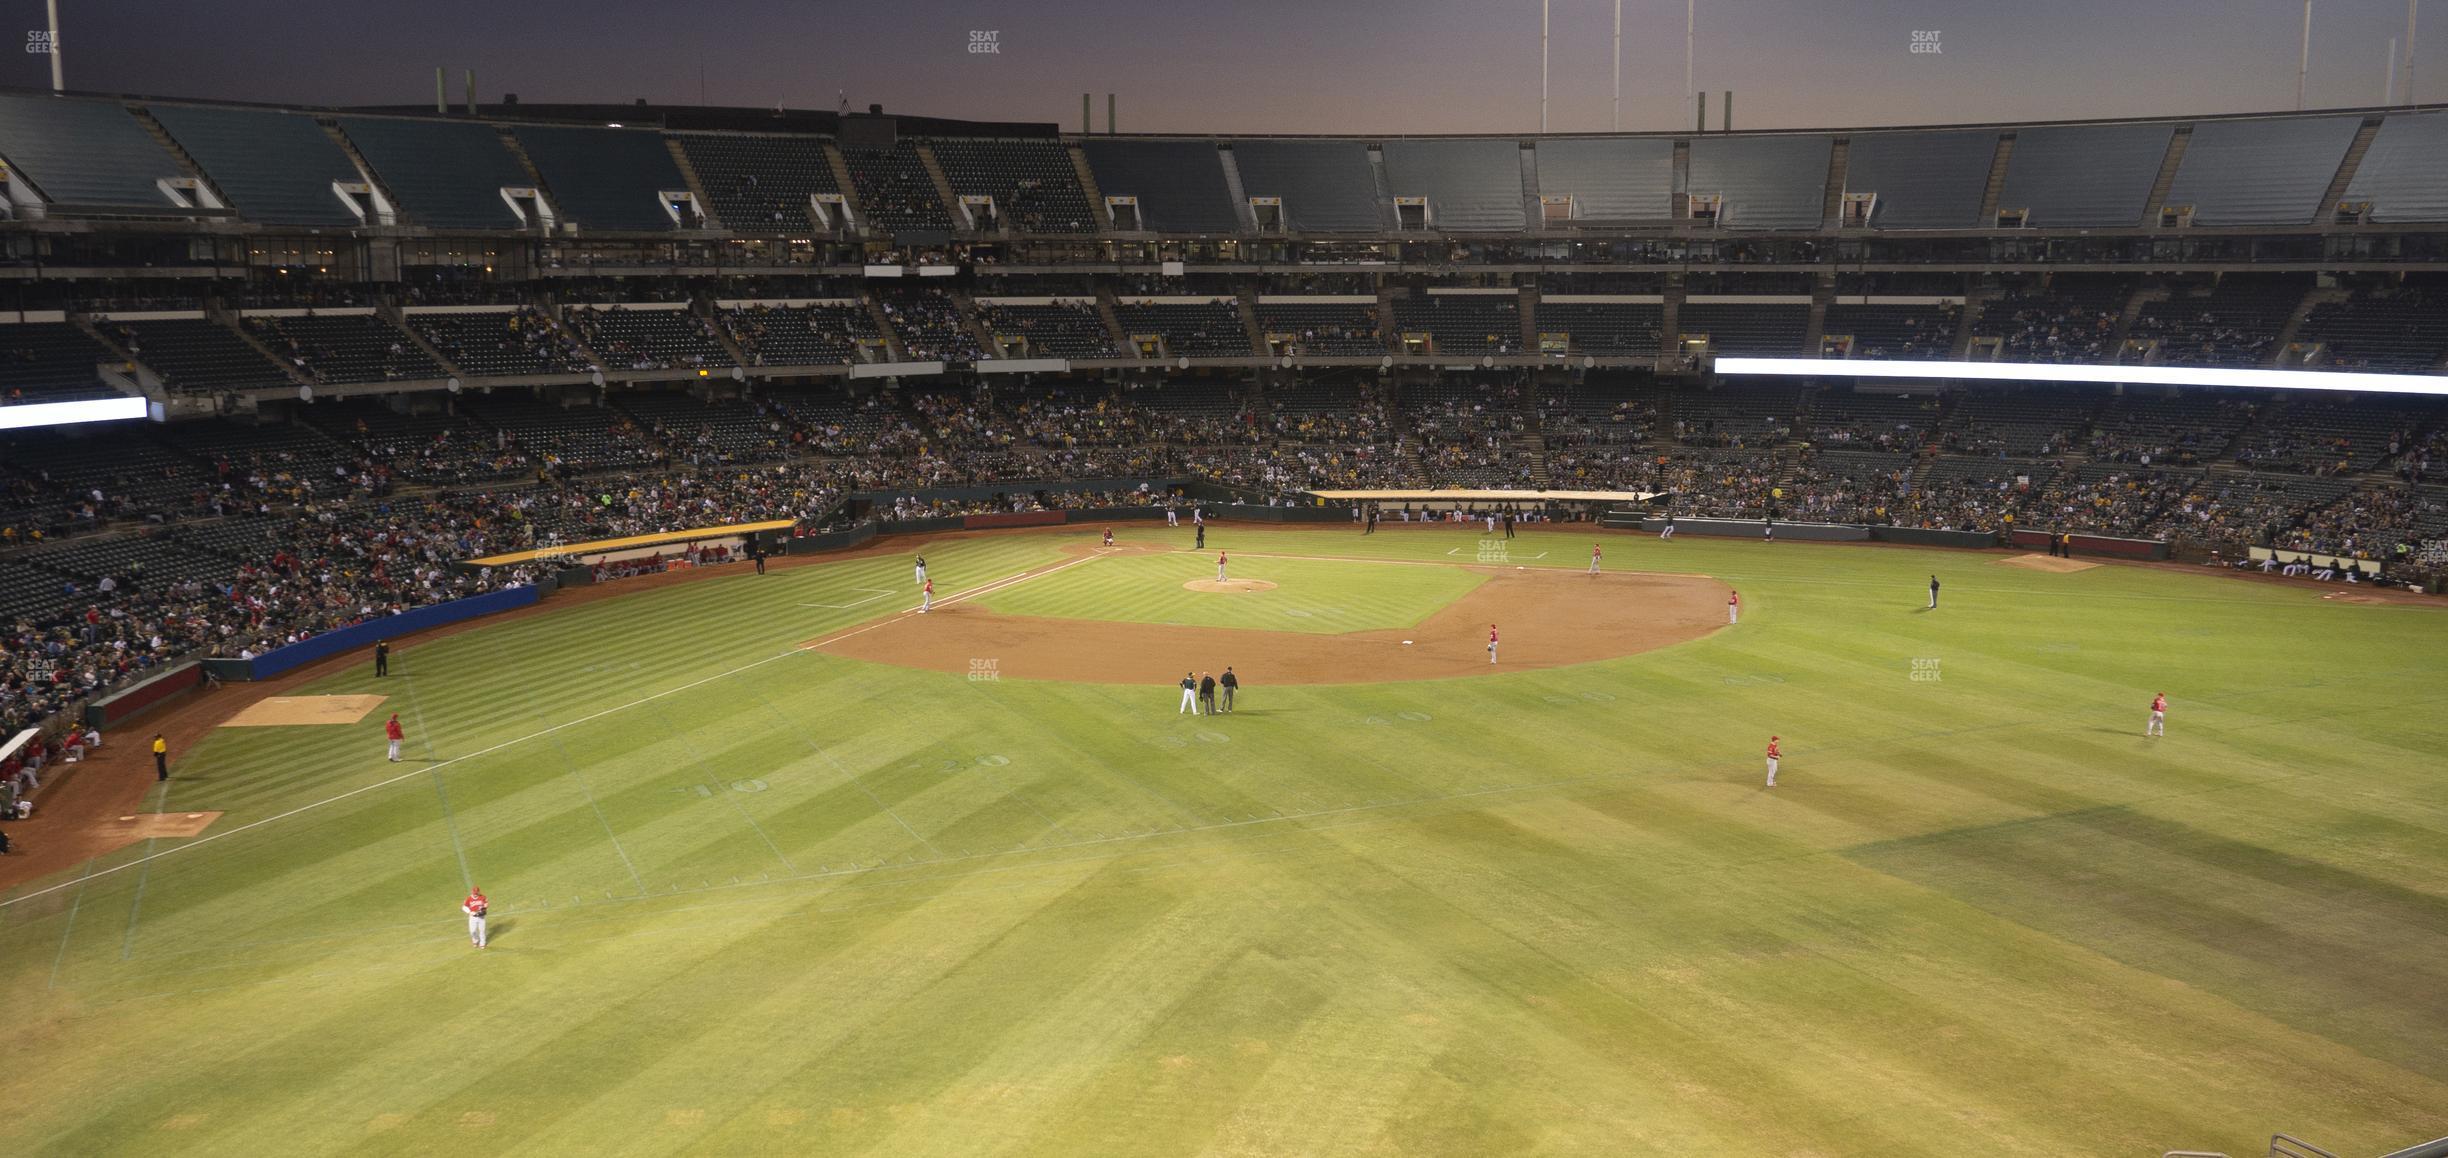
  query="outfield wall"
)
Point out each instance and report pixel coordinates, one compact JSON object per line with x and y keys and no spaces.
{"x":362,"y":636}
{"x":127,"y":703}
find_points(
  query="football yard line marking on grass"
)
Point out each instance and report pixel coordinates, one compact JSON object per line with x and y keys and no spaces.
{"x":449,"y":820}
{"x":753,"y":826}
{"x":590,"y":717}
{"x":136,"y":906}
{"x":70,"y":929}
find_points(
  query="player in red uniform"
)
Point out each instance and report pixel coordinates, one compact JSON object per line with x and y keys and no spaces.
{"x":391,"y":732}
{"x":1773,"y":756}
{"x":474,"y":906}
{"x":1733,"y":606}
{"x":1109,"y":536}
{"x":1594,"y":554}
{"x":1491,"y":643}
{"x":926,"y":597}
{"x":2158,"y":720}
{"x":1220,"y":561}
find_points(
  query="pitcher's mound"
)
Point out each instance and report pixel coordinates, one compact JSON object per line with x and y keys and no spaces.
{"x":2047,"y":563}
{"x":280,"y":711}
{"x":1228,"y":585}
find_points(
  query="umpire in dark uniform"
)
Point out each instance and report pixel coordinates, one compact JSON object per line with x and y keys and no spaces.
{"x":382,"y":657}
{"x":1230,"y":683}
{"x":1202,"y":537}
{"x":1207,"y":686}
{"x":1933,"y":593}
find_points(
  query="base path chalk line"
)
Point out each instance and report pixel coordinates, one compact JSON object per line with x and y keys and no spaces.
{"x":199,"y":842}
{"x":875,"y":593}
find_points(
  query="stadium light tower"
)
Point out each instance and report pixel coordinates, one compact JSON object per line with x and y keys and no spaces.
{"x":50,"y":8}
{"x":2303,"y":61}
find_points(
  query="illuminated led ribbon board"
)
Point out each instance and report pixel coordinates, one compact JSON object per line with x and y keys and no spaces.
{"x":32,"y":414}
{"x":2248,"y":379}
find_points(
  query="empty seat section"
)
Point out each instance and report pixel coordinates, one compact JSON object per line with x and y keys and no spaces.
{"x":273,"y":167}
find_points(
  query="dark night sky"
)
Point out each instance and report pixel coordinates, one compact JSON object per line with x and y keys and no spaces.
{"x":1304,"y":66}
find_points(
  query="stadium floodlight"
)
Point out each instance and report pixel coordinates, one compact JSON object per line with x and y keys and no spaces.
{"x":2339,"y":381}
{"x":33,"y":414}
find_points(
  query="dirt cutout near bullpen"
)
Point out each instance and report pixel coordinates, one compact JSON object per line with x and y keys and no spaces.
{"x":1546,"y":618}
{"x":2046,"y":563}
{"x":285,"y":711}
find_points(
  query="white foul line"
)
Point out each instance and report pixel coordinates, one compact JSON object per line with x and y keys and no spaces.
{"x":91,"y":872}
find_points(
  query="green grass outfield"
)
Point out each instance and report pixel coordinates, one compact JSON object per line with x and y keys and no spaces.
{"x":753,"y":899}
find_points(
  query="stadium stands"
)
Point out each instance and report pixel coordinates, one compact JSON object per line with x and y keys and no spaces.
{"x":2071,"y":318}
{"x":1471,"y":185}
{"x":1030,"y":178}
{"x":2404,"y":174}
{"x":1179,"y":184}
{"x":343,"y":347}
{"x":1322,"y":328}
{"x":1603,"y":329}
{"x":86,"y":154}
{"x":1210,"y":329}
{"x":1735,"y":328}
{"x":273,"y":167}
{"x":1472,"y":324}
{"x":499,"y":342}
{"x":929,"y":325}
{"x":636,"y":338}
{"x":1923,"y":180}
{"x":2233,"y":323}
{"x":1047,"y":329}
{"x":1609,"y":178}
{"x":443,"y":174}
{"x":1767,"y":182}
{"x":2261,"y":171}
{"x":2391,"y":329}
{"x":195,"y":353}
{"x":758,"y":181}
{"x":815,"y":334}
{"x":49,"y":362}
{"x":2083,"y":175}
{"x":1326,"y":186}
{"x":605,"y":178}
{"x":1877,"y":330}
{"x":894,"y":191}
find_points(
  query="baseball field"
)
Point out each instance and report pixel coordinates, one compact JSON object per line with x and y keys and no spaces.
{"x":778,"y":866}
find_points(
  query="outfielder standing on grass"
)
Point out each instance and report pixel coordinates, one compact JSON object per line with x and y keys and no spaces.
{"x":1773,"y":757}
{"x":392,"y":732}
{"x":1733,"y":606}
{"x":1594,"y":554}
{"x":2158,"y":720}
{"x":474,"y":906}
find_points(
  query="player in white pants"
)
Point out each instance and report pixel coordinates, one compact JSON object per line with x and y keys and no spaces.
{"x":1491,"y":643}
{"x":474,"y":906}
{"x":1773,"y":756}
{"x":1594,"y":553}
{"x":926,"y":597}
{"x":2158,"y":720}
{"x":1189,"y":687}
{"x":1668,"y":533}
{"x":921,"y":571}
{"x":1220,"y":560}
{"x":1733,"y":607}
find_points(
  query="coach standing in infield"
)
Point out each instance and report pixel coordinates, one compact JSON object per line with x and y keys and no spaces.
{"x":1230,"y":683}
